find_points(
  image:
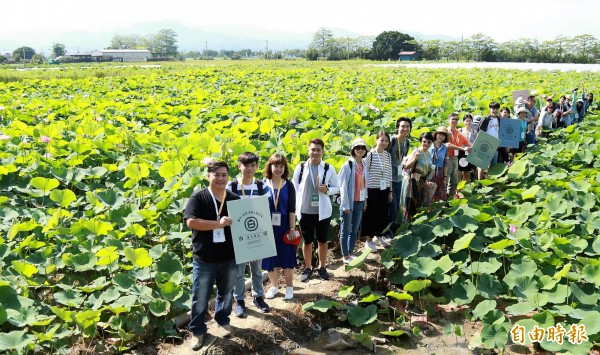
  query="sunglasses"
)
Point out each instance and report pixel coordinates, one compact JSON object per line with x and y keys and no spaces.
{"x":360,"y":147}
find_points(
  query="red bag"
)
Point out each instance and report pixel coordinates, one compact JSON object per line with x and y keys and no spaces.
{"x":294,"y":242}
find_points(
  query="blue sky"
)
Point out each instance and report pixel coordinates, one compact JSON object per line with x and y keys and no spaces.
{"x":502,"y":20}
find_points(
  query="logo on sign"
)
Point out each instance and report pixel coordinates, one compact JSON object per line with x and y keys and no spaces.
{"x":509,"y":130}
{"x":251,"y":224}
{"x":485,"y":147}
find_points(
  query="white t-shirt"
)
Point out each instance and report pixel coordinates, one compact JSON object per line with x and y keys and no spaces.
{"x":493,"y":127}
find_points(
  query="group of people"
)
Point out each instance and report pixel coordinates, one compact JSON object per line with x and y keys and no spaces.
{"x":378,"y":189}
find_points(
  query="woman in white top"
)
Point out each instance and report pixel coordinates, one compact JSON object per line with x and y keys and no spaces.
{"x":379,"y":190}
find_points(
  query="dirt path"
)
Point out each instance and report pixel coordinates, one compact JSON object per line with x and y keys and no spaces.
{"x":287,"y":329}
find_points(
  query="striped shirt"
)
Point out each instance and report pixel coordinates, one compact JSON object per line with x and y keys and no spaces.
{"x":249,"y":190}
{"x":379,"y":166}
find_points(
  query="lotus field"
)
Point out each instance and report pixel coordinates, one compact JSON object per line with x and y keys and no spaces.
{"x":96,"y":171}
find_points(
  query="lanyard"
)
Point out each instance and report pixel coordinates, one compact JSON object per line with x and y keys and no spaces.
{"x":314,"y":181}
{"x":454,"y":139}
{"x":218,"y":210}
{"x":435,"y":154}
{"x":401,"y":152}
{"x":381,"y":163}
{"x":244,"y":190}
{"x":278,"y":192}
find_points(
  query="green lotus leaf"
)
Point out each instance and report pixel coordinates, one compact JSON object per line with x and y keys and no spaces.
{"x":521,"y":308}
{"x":400,"y":296}
{"x":97,"y":285}
{"x":416,"y":285}
{"x":494,"y":336}
{"x":70,"y":298}
{"x":83,"y":261}
{"x":483,"y":308}
{"x":586,"y":294}
{"x":63,"y":197}
{"x":488,"y":286}
{"x":359,"y":316}
{"x":443,"y":229}
{"x":159,"y":307}
{"x":393,"y":333}
{"x":110,"y":198}
{"x":363,"y":291}
{"x":124,"y":281}
{"x":15,"y":340}
{"x":3,"y":314}
{"x":422,"y":267}
{"x":464,"y":223}
{"x":24,"y":268}
{"x":531,"y":192}
{"x":591,"y":273}
{"x":359,"y":261}
{"x":136,"y":172}
{"x":345,"y":291}
{"x":463,"y":242}
{"x":370,"y":298}
{"x":44,"y":184}
{"x":406,"y":246}
{"x":170,"y":290}
{"x":139,"y":257}
{"x":169,"y":169}
{"x":463,"y":292}
{"x":107,"y":256}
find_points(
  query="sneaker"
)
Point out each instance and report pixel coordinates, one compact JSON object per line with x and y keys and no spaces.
{"x":346,"y":261}
{"x":323,"y":273}
{"x":289,"y":293}
{"x":273,"y":291}
{"x":376,"y":240}
{"x":384,"y":242}
{"x":197,"y":342}
{"x":261,"y":304}
{"x":306,"y":274}
{"x":371,"y":245}
{"x":225,"y":331}
{"x":240,"y":309}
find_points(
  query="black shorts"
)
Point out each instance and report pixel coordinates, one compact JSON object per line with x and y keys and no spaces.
{"x":309,"y":224}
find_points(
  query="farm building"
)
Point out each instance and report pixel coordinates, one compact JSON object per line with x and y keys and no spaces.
{"x":122,"y":55}
{"x":408,"y":55}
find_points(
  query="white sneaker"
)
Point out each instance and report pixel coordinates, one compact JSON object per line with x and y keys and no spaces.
{"x":384,"y":242}
{"x":289,"y":293}
{"x":346,"y":261}
{"x":371,"y":245}
{"x":376,"y":241}
{"x":273,"y":291}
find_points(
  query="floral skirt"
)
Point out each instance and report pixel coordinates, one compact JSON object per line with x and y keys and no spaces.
{"x":440,"y":192}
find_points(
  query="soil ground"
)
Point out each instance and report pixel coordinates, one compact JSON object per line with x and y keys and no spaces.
{"x":289,"y":330}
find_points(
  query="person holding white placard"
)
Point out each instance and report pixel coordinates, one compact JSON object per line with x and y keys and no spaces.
{"x":213,"y":256}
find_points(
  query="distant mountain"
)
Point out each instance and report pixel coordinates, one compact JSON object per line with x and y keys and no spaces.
{"x":234,"y":37}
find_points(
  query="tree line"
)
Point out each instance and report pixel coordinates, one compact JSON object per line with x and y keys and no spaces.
{"x":479,"y":47}
{"x":385,"y":46}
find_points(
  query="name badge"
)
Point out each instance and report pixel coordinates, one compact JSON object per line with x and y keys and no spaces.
{"x":362,"y":195}
{"x":455,"y":152}
{"x":399,"y":170}
{"x":276,"y":219}
{"x":314,"y":200}
{"x":219,"y":235}
{"x":577,"y":115}
{"x":382,"y":184}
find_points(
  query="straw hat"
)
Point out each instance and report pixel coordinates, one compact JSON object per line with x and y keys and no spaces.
{"x":442,"y":130}
{"x":358,"y":142}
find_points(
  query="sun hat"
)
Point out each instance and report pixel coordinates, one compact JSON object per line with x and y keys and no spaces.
{"x":442,"y":130}
{"x":358,"y":142}
{"x":522,"y":109}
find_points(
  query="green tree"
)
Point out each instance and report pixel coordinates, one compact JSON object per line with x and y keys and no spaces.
{"x":388,"y":44}
{"x":130,"y":41}
{"x":165,"y":43}
{"x":3,"y":59}
{"x":481,"y":47}
{"x":58,"y":49}
{"x":431,"y":50}
{"x":23,"y":53}
{"x":321,"y":44}
{"x":37,"y":59}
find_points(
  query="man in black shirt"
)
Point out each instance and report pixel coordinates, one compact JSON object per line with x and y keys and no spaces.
{"x":213,"y":255}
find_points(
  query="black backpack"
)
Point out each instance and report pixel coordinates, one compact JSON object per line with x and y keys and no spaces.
{"x":259,"y":184}
{"x":302,"y":173}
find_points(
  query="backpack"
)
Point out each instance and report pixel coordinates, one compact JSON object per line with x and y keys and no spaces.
{"x":302,"y":173}
{"x":259,"y":184}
